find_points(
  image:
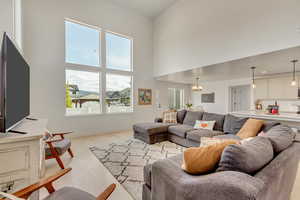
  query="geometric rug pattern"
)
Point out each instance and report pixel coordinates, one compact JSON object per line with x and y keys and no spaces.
{"x":126,"y":159}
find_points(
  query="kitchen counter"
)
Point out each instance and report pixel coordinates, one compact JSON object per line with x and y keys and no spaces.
{"x":283,"y":116}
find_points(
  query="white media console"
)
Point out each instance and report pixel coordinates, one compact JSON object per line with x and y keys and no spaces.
{"x":22,"y":156}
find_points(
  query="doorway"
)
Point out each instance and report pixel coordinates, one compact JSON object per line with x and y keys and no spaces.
{"x":240,"y":98}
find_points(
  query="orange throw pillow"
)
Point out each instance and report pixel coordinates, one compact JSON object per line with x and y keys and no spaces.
{"x":200,"y":160}
{"x":251,"y":128}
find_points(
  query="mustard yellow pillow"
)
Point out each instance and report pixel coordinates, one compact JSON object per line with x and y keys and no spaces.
{"x":199,"y":160}
{"x":251,"y":128}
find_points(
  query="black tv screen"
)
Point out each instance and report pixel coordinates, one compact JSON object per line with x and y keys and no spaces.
{"x":15,"y":86}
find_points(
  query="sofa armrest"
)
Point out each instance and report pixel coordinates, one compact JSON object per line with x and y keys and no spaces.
{"x":158,"y":120}
{"x":170,"y":182}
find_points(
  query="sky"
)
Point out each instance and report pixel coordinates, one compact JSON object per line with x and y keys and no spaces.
{"x":83,"y":48}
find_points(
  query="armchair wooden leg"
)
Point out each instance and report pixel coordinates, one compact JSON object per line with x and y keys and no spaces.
{"x":56,"y":155}
{"x":70,"y":152}
{"x":60,"y":163}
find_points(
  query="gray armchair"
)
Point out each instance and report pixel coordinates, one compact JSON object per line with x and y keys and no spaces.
{"x":57,"y":147}
{"x":65,"y":193}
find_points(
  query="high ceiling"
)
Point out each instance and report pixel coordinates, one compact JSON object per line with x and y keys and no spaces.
{"x":149,"y":8}
{"x":269,"y":64}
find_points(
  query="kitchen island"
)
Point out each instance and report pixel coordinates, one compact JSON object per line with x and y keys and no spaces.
{"x":288,"y":118}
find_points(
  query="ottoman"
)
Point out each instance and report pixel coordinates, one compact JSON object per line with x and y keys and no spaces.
{"x":151,"y":133}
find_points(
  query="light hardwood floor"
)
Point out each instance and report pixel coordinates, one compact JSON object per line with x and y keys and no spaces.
{"x":90,"y":175}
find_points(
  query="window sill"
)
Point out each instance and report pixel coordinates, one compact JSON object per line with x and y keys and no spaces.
{"x":98,"y":114}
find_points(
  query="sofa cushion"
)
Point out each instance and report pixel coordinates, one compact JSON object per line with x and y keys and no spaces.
{"x":281,"y":137}
{"x":180,"y":130}
{"x":215,"y":117}
{"x":195,"y":135}
{"x":228,"y":136}
{"x":151,"y":128}
{"x":191,"y":117}
{"x":251,"y":128}
{"x":180,"y":116}
{"x":147,"y":174}
{"x":70,"y":193}
{"x":233,"y":124}
{"x":268,"y":125}
{"x":200,"y":160}
{"x":248,"y":157}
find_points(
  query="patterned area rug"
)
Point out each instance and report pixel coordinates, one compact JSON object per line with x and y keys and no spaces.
{"x":126,"y":160}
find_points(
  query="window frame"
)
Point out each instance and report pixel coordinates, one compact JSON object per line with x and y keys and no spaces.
{"x":102,"y":69}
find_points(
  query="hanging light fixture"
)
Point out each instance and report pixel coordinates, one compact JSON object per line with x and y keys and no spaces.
{"x":294,"y":83}
{"x":253,"y":77}
{"x":197,"y":87}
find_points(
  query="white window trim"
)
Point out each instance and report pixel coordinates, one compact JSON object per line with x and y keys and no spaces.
{"x":102,"y":69}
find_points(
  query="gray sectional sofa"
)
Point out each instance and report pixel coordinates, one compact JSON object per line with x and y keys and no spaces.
{"x":263,"y":168}
{"x":184,"y":134}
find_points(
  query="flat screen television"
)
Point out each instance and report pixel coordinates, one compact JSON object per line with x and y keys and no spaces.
{"x":14,"y":86}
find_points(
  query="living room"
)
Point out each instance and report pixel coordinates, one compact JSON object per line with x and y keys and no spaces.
{"x":101,"y":68}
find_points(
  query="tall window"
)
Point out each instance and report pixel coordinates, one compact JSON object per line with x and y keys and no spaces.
{"x":176,"y":98}
{"x":88,"y":75}
{"x":82,"y":44}
{"x":118,"y":93}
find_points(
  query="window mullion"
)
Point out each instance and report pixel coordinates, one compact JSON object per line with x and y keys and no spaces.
{"x":103,"y":74}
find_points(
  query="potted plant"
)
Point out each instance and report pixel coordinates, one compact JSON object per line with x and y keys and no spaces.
{"x":189,"y":106}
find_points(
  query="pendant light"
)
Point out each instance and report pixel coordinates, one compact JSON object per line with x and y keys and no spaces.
{"x":197,"y":87}
{"x":294,"y":83}
{"x":253,"y":77}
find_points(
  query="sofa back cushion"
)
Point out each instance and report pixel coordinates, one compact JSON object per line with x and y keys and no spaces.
{"x":215,"y":117}
{"x":191,"y":117}
{"x":281,"y":137}
{"x":247,"y":157}
{"x":233,"y":124}
{"x":180,"y":116}
{"x":268,"y":125}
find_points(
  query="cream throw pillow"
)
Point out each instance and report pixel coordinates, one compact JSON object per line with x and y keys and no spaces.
{"x":206,"y":141}
{"x":251,"y":128}
{"x":209,"y":125}
{"x":200,"y":160}
{"x":170,"y":117}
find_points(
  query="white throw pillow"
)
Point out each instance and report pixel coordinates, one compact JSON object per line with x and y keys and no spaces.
{"x":209,"y":125}
{"x":206,"y":141}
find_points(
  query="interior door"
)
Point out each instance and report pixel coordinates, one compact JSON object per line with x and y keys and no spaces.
{"x":240,"y":98}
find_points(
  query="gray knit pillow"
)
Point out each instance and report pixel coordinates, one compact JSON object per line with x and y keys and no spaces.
{"x":248,"y":157}
{"x":281,"y":137}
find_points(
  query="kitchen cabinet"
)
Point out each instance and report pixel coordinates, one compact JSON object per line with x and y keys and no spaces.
{"x":275,"y":88}
{"x":261,"y":90}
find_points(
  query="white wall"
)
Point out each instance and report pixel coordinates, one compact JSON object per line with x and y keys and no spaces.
{"x":11,"y":21}
{"x":222,"y":95}
{"x":43,"y":41}
{"x":6,"y":17}
{"x":198,"y":33}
